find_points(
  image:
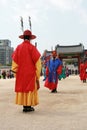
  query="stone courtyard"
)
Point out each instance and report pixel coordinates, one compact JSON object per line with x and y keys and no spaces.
{"x":64,"y":110}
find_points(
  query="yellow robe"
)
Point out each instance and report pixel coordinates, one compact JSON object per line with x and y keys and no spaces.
{"x":31,"y":98}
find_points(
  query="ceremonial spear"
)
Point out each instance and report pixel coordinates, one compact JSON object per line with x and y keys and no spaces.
{"x":31,"y":28}
{"x":22,"y":25}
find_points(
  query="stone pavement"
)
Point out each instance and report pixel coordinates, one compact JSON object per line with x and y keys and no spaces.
{"x":65,"y":110}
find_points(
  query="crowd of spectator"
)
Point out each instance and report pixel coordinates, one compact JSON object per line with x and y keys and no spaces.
{"x":6,"y":74}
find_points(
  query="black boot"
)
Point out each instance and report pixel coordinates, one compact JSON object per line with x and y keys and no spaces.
{"x":28,"y":108}
{"x":54,"y":91}
{"x":24,"y":108}
{"x":84,"y":81}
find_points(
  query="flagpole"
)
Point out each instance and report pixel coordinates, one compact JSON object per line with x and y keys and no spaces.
{"x":22,"y":25}
{"x":30,"y":26}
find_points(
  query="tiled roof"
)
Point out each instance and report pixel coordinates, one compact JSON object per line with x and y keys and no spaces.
{"x":70,"y":49}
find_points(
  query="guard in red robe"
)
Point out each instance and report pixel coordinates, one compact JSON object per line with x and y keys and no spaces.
{"x":83,"y":71}
{"x":86,"y":69}
{"x":26,"y":65}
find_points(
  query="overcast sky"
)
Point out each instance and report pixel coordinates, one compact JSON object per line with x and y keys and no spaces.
{"x":62,"y":22}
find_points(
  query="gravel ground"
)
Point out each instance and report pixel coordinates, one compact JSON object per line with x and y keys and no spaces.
{"x":65,"y":110}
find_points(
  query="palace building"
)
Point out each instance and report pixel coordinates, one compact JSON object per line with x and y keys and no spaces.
{"x":70,"y":55}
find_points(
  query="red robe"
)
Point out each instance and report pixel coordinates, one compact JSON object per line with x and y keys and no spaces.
{"x":53,"y":69}
{"x":82,"y":71}
{"x":25,"y":56}
{"x":52,"y":85}
{"x":86,"y":69}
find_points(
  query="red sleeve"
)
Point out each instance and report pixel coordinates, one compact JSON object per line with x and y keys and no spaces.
{"x":59,"y":70}
{"x":35,"y":54}
{"x":47,"y":71}
{"x":14,"y":56}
